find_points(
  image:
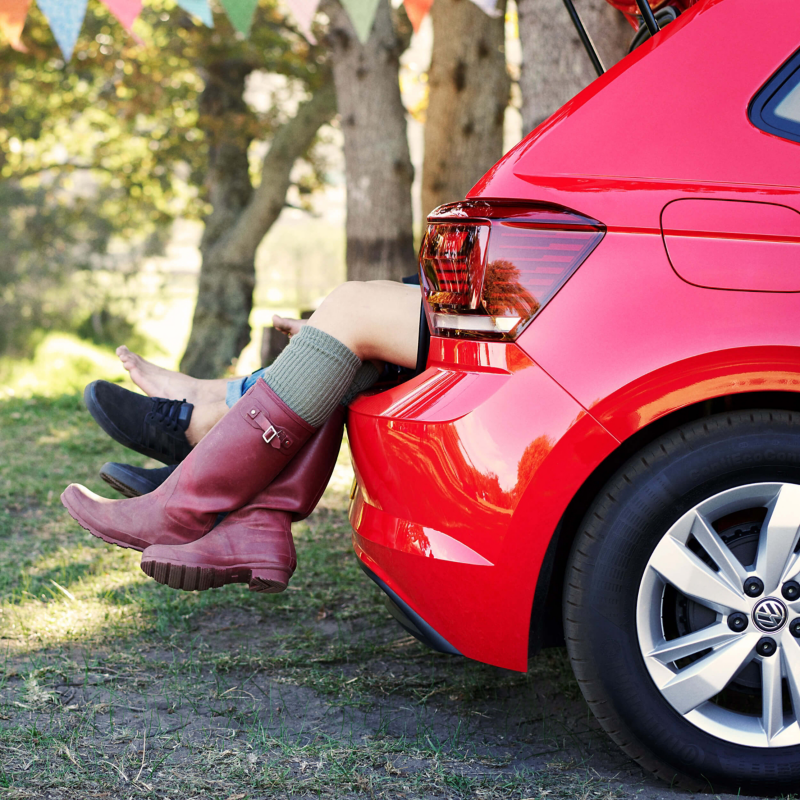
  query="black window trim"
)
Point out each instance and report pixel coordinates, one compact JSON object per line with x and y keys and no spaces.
{"x":762,"y":106}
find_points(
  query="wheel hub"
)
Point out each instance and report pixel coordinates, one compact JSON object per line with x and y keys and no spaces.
{"x":770,"y":615}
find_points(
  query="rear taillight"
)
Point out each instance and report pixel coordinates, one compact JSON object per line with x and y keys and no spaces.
{"x":487,"y":269}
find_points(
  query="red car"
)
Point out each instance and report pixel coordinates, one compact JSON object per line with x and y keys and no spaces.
{"x":605,"y":446}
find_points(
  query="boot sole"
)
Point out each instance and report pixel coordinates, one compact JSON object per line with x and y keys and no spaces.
{"x":266,"y":580}
{"x":108,"y":539}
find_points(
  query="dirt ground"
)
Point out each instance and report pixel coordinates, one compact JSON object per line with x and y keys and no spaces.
{"x":112,"y":686}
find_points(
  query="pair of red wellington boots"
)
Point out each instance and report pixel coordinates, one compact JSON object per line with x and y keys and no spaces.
{"x":261,"y":464}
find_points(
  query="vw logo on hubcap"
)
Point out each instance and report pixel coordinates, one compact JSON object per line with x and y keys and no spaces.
{"x":770,"y":615}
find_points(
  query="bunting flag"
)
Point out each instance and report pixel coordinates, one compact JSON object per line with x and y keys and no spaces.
{"x":65,"y":18}
{"x":417,"y":10}
{"x":125,"y":11}
{"x":12,"y":21}
{"x":303,"y":11}
{"x":240,"y":13}
{"x":200,"y":9}
{"x":362,"y":15}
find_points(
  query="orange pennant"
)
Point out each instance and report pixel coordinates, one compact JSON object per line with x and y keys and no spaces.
{"x":417,"y":10}
{"x":12,"y":21}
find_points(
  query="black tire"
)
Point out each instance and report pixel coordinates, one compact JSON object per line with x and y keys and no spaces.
{"x":609,"y":556}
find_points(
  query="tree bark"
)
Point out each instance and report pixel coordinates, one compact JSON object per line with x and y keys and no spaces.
{"x":469,"y":91}
{"x":240,"y":219}
{"x":380,"y":243}
{"x":555,"y":67}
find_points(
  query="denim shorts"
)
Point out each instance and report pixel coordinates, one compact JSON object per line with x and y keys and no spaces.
{"x":238,"y":387}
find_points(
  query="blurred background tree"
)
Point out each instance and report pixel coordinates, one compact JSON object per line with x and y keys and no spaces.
{"x":99,"y":156}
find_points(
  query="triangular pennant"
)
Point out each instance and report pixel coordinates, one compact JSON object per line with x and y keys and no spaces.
{"x":125,"y":11}
{"x":200,"y":9}
{"x":417,"y":10}
{"x":488,"y":7}
{"x":303,"y":11}
{"x":240,"y":13}
{"x":65,"y":18}
{"x":12,"y":21}
{"x":362,"y":15}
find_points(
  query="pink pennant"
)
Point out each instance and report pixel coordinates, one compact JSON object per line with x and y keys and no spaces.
{"x":126,"y":12}
{"x":12,"y":21}
{"x":303,"y":11}
{"x":417,"y":10}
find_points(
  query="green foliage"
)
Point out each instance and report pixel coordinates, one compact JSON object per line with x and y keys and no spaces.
{"x":105,"y":152}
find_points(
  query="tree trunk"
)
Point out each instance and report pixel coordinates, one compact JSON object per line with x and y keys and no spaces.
{"x":240,"y":220}
{"x":555,"y":67}
{"x":378,"y":169}
{"x":469,"y":89}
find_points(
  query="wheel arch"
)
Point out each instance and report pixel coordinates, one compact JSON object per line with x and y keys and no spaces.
{"x":546,"y":627}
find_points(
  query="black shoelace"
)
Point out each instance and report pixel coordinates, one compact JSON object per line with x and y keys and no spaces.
{"x":166,"y":413}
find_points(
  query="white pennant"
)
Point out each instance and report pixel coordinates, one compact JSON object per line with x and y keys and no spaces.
{"x":488,"y":7}
{"x":303,"y":11}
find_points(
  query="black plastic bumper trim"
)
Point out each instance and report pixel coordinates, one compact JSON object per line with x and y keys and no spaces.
{"x":409,"y":619}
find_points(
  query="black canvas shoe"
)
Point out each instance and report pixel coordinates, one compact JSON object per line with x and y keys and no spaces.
{"x":152,"y":426}
{"x":132,"y":481}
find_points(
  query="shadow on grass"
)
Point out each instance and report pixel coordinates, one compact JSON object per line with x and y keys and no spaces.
{"x":112,"y":683}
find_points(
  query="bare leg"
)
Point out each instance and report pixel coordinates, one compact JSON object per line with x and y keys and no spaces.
{"x":159,"y":382}
{"x":377,"y":320}
{"x":204,"y":417}
{"x":156,"y":381}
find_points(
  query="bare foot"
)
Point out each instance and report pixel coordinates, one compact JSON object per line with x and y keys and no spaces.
{"x":159,"y":382}
{"x":288,"y":326}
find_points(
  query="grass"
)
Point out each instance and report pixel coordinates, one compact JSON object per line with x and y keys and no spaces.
{"x":114,"y":686}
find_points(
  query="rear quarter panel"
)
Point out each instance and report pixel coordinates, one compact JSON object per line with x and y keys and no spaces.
{"x":455,"y":512}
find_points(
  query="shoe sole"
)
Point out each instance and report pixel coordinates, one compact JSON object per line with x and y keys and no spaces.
{"x":108,"y":539}
{"x":266,"y":580}
{"x":125,"y":491}
{"x":111,"y":430}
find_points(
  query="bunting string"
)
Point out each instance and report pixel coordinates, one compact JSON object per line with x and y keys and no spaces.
{"x":65,"y":17}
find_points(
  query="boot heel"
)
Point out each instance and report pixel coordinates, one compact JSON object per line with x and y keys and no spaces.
{"x":269,"y":580}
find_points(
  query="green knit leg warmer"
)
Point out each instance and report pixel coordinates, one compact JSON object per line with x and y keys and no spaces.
{"x":313,"y":374}
{"x":365,"y":377}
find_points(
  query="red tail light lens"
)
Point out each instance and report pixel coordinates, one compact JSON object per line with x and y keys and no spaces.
{"x":487,"y":269}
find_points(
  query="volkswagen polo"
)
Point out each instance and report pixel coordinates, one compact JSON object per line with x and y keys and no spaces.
{"x":604,"y":448}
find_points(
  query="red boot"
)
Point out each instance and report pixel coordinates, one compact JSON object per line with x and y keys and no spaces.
{"x":242,"y":453}
{"x":254,"y":544}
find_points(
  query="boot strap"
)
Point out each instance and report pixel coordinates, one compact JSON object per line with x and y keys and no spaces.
{"x":273,"y":436}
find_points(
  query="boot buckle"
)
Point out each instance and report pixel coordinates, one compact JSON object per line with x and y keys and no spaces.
{"x":269,"y":434}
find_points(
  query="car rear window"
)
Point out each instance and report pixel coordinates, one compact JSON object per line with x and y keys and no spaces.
{"x":776,"y":107}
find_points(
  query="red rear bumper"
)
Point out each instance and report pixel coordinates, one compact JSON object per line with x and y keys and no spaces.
{"x":463,"y":474}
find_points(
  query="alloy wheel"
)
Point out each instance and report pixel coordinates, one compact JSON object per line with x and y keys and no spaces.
{"x":718,"y":615}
